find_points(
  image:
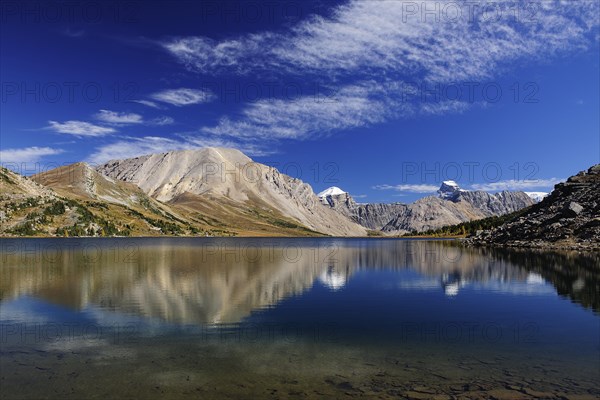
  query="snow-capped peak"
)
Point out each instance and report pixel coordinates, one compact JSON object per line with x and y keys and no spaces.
{"x":332,"y":191}
{"x":449,"y":190}
{"x":537,"y":196}
{"x":451,"y":183}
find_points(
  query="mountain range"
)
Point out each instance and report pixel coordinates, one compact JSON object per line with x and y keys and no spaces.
{"x":218,"y":192}
{"x":451,"y":206}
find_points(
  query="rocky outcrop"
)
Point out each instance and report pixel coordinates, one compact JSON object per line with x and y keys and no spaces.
{"x":501,"y":203}
{"x":377,"y":215}
{"x":568,"y":218}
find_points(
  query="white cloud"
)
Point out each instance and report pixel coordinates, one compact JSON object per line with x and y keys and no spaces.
{"x":114,"y":117}
{"x":307,"y":116}
{"x":371,"y":37}
{"x":120,"y":118}
{"x":411,"y":188}
{"x":161,"y":121}
{"x":27,"y":154}
{"x":513,"y":184}
{"x":374,"y":46}
{"x":183,"y":96}
{"x":80,"y":128}
{"x":147,"y":103}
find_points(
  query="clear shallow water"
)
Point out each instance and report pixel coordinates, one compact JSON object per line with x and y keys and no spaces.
{"x":297,"y":318}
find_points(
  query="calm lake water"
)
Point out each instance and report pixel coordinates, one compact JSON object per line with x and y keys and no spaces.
{"x":295,"y":318}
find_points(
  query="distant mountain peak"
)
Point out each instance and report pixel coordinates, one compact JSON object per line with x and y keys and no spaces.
{"x":449,"y":190}
{"x":537,"y":196}
{"x":331,"y":191}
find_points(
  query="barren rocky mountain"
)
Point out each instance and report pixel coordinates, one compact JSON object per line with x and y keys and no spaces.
{"x":81,"y":181}
{"x":452,"y":206}
{"x":227,"y":184}
{"x":372,"y":216}
{"x":569,"y":217}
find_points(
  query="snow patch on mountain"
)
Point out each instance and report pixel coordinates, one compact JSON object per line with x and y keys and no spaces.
{"x":332,"y":191}
{"x":537,"y":196}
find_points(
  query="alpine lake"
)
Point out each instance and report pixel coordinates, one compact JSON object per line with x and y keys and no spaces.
{"x":251,"y":318}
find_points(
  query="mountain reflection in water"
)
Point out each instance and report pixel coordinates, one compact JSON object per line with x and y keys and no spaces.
{"x":223,"y":281}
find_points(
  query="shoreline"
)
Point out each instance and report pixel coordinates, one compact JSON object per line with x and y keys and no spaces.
{"x":237,"y":237}
{"x":463,"y":240}
{"x":588,"y":247}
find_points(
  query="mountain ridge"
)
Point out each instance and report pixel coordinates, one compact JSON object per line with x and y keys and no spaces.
{"x":221,"y":192}
{"x":453,"y":205}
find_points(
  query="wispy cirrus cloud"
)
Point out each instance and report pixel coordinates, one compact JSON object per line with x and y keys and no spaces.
{"x":27,"y":154}
{"x":352,"y":106}
{"x":410,"y":188}
{"x":147,"y":103}
{"x":80,"y":128}
{"x":183,"y":96}
{"x":123,"y":118}
{"x":513,"y":184}
{"x":369,"y":49}
{"x":161,"y":121}
{"x":114,"y":117}
{"x":371,"y":37}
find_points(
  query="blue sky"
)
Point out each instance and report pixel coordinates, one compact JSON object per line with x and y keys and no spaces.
{"x":384,"y":99}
